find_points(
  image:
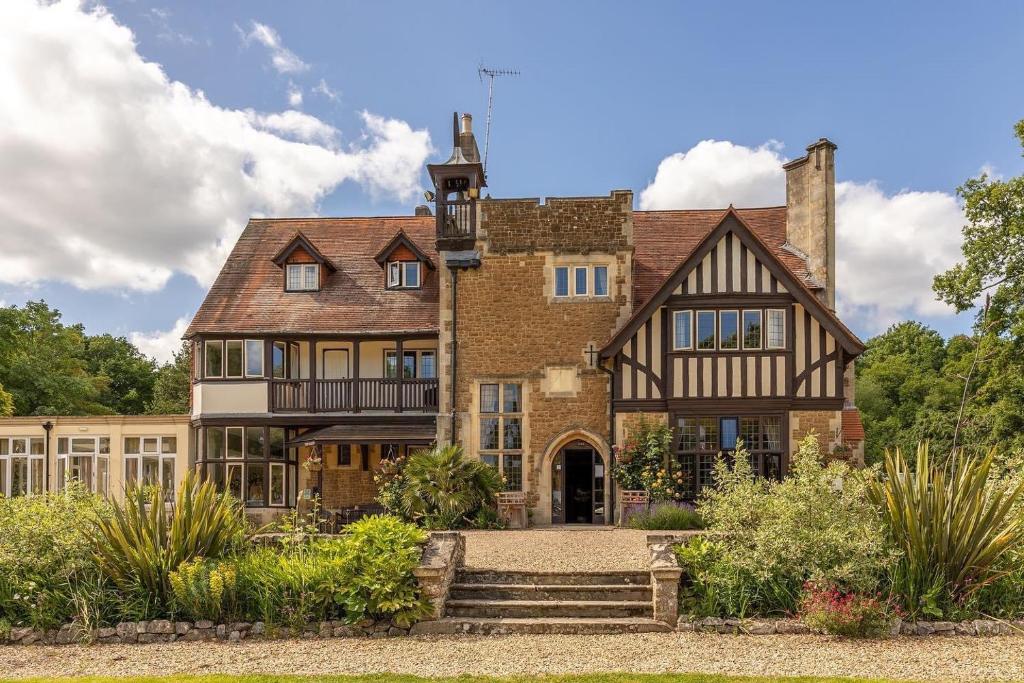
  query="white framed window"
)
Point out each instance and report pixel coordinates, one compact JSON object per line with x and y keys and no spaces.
{"x":22,"y":470}
{"x":214,"y":353}
{"x":85,"y":459}
{"x":302,"y":277}
{"x":581,"y":274}
{"x":404,"y":274}
{"x":752,"y":330}
{"x":706,"y":331}
{"x":562,"y":281}
{"x":600,"y":280}
{"x":253,"y":357}
{"x":682,"y":325}
{"x":775,"y":332}
{"x":416,"y":363}
{"x":233,"y":352}
{"x":729,"y":330}
{"x":149,"y":461}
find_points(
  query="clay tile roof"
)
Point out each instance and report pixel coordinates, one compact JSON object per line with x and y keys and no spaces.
{"x":853,"y":428}
{"x":663,"y":239}
{"x":248,"y":296}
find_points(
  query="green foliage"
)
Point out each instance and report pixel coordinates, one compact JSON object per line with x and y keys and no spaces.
{"x":366,"y":573}
{"x":667,"y":517}
{"x":375,"y":574}
{"x":173,"y":384}
{"x":204,"y":589}
{"x":643,"y":462}
{"x":951,"y":524}
{"x":47,"y":572}
{"x":772,"y":537}
{"x":6,"y":403}
{"x":125,"y":374}
{"x":142,"y":541}
{"x":438,"y":488}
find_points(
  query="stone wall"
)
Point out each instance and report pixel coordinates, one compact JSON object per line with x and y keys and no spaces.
{"x":512,"y":329}
{"x":825,"y":424}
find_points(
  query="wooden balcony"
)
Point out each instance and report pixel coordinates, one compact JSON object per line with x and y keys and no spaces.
{"x":353,"y":395}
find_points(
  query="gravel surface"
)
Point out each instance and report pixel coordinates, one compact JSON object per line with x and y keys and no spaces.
{"x":931,"y":659}
{"x":558,"y":549}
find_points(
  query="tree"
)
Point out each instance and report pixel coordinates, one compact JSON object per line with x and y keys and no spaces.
{"x":42,"y":363}
{"x":173,"y":384}
{"x":6,"y":403}
{"x":126,"y":374}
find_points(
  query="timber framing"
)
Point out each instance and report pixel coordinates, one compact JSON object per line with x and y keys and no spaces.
{"x":301,"y":241}
{"x":402,"y":240}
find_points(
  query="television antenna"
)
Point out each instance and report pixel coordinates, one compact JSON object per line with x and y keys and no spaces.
{"x":491,"y":75}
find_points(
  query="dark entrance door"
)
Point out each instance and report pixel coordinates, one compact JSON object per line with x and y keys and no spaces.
{"x":577,"y":485}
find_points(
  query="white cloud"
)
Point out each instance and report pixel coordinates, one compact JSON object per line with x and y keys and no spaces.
{"x":161,"y":17}
{"x":294,"y":95}
{"x":160,"y":345}
{"x":322,"y":88}
{"x":283,"y":60}
{"x":715,"y":173}
{"x":889,"y":246}
{"x":113,"y":175}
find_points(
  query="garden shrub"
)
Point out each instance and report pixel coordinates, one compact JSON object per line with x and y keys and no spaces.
{"x":141,"y":541}
{"x":438,"y":488}
{"x":204,"y":589}
{"x":667,"y":517}
{"x":957,"y":527}
{"x":772,"y":537}
{"x":48,"y":575}
{"x":830,"y":610}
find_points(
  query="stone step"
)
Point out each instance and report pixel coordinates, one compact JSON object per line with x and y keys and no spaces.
{"x":534,"y":591}
{"x":572,"y":626}
{"x":549,"y":608}
{"x":638,"y":578}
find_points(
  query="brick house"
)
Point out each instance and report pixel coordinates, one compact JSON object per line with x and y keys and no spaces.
{"x":532,"y":333}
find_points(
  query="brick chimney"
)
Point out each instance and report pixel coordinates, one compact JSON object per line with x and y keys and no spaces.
{"x":811,"y":213}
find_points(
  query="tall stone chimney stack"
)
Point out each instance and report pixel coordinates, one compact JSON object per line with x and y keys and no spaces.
{"x":467,"y":141}
{"x":811,"y":212}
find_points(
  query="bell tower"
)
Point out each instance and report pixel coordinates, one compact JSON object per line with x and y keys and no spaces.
{"x":457,"y":184}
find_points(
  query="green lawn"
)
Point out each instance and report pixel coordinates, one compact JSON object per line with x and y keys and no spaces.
{"x":389,"y":678}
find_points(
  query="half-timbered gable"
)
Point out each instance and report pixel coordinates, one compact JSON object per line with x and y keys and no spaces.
{"x":731,"y":322}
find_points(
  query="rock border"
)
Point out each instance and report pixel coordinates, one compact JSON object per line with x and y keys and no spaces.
{"x":167,"y":631}
{"x":764,"y":627}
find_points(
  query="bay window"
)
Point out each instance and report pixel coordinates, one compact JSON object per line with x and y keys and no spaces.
{"x":251,"y":463}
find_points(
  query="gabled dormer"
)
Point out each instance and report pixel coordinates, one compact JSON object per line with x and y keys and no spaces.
{"x":404,"y":263}
{"x":304,"y":268}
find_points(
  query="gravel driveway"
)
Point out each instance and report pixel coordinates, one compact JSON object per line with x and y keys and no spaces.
{"x":594,"y":548}
{"x":936,"y":658}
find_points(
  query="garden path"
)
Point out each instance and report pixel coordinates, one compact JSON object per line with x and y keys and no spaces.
{"x":558,"y":549}
{"x":951,"y":658}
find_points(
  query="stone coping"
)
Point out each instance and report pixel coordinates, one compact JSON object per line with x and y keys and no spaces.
{"x":764,"y":627}
{"x":167,"y":631}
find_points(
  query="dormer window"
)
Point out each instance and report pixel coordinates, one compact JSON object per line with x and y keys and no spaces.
{"x":305,"y":268}
{"x":303,"y":277}
{"x":403,"y":275}
{"x":403,"y":262}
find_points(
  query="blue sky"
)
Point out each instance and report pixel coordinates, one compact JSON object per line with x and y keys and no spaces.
{"x":916,"y":95}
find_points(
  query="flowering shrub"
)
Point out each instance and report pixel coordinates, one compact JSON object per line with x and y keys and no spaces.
{"x":830,"y":610}
{"x":643,"y":462}
{"x":203,"y":589}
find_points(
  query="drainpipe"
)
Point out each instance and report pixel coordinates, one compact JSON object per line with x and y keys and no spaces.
{"x":455,"y":347}
{"x":48,"y":426}
{"x":611,"y":439}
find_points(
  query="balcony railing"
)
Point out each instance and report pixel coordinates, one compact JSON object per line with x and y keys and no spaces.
{"x":456,"y":219}
{"x":352,"y":395}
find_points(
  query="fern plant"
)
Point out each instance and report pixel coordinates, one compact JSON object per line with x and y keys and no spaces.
{"x":951,"y":525}
{"x":143,"y":540}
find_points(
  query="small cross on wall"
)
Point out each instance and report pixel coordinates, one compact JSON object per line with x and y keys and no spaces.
{"x":591,"y":353}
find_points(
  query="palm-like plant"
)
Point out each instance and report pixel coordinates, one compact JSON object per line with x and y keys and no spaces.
{"x":951,"y":526}
{"x":443,"y":488}
{"x":142,"y":541}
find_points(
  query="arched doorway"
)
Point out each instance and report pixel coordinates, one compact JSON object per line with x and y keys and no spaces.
{"x":578,"y":484}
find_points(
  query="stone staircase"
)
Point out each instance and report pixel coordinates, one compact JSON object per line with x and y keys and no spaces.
{"x":499,"y":602}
